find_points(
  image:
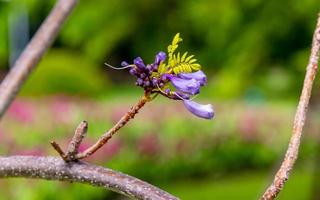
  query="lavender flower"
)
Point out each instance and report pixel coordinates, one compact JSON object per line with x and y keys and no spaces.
{"x":139,"y":82}
{"x":180,"y":78}
{"x":134,"y":72}
{"x":203,"y":111}
{"x":189,"y":86}
{"x":139,"y":63}
{"x":160,"y":57}
{"x":124,"y":63}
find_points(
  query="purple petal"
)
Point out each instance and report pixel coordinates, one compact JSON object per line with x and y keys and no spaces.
{"x":134,"y":72}
{"x":203,"y":111}
{"x":165,"y":77}
{"x":139,"y":81}
{"x":154,"y":81}
{"x":154,"y":67}
{"x":161,"y":56}
{"x":139,"y":63}
{"x":147,"y":83}
{"x":198,"y":75}
{"x":190,"y":86}
{"x":150,"y":68}
{"x":142,"y":75}
{"x":124,"y":64}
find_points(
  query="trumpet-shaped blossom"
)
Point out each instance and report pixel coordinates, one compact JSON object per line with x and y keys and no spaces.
{"x":203,"y":111}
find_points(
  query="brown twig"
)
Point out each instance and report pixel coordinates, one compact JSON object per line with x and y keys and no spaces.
{"x":292,"y":152}
{"x":74,"y":144}
{"x":54,"y":168}
{"x":32,"y":54}
{"x":57,"y":147}
{"x":107,"y":136}
{"x":73,"y":147}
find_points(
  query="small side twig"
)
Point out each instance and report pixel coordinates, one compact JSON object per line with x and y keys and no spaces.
{"x":73,"y":147}
{"x":57,"y":147}
{"x":292,"y":152}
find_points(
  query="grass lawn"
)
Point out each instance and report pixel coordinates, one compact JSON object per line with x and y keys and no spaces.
{"x":242,"y":186}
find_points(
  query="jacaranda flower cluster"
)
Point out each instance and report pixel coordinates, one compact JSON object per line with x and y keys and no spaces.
{"x":175,"y":76}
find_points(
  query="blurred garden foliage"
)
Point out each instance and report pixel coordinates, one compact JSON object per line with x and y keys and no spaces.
{"x":254,"y":50}
{"x":251,"y":48}
{"x":163,"y":145}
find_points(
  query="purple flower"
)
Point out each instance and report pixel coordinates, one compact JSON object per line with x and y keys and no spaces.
{"x":163,"y":77}
{"x":139,"y":81}
{"x":203,"y":111}
{"x":161,"y":56}
{"x":147,"y":83}
{"x":139,"y":63}
{"x":124,"y":63}
{"x":154,"y":81}
{"x":191,"y":86}
{"x":134,"y":72}
{"x":198,"y":75}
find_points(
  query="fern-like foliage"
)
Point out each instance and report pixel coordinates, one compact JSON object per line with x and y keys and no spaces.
{"x":184,"y":64}
{"x":174,"y":45}
{"x":177,"y":63}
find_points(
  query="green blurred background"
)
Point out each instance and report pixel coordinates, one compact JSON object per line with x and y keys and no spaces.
{"x":254,"y":52}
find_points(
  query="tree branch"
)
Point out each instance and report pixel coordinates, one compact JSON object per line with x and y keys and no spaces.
{"x":73,"y":153}
{"x":54,"y":168}
{"x":292,"y":152}
{"x":108,"y":135}
{"x":32,"y":54}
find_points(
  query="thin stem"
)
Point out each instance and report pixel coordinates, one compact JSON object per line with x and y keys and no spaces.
{"x":292,"y":152}
{"x":57,"y":147}
{"x":32,"y":54}
{"x":124,"y":67}
{"x":108,"y":135}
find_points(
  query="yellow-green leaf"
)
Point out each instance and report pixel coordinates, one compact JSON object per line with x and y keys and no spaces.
{"x":184,"y":56}
{"x":189,"y":58}
{"x":176,"y":39}
{"x":192,"y":61}
{"x":196,"y":66}
{"x":178,"y":58}
{"x":162,"y":68}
